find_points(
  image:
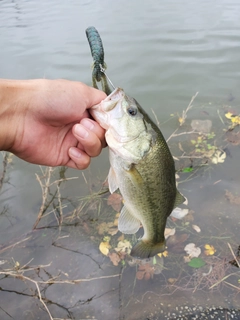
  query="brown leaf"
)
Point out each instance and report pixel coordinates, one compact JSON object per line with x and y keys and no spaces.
{"x":176,"y":242}
{"x":172,"y":280}
{"x":140,"y":275}
{"x":114,"y":257}
{"x":233,"y":137}
{"x":112,"y":231}
{"x":115,"y":200}
{"x":121,"y":238}
{"x":147,"y":276}
{"x":145,"y":271}
{"x":233,"y":199}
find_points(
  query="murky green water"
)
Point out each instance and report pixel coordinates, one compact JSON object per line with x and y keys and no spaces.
{"x":161,"y":53}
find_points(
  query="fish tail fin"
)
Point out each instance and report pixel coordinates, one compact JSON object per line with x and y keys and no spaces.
{"x":144,"y":249}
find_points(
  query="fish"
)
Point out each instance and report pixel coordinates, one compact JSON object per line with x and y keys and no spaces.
{"x":141,"y":167}
{"x":99,"y":66}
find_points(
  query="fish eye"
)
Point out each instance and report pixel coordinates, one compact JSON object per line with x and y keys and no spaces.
{"x":132,"y":111}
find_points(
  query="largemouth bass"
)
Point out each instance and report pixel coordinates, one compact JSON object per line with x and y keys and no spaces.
{"x":142,"y":168}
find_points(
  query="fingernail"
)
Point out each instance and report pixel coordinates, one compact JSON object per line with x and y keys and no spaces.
{"x":75,"y":153}
{"x":81,"y":131}
{"x":87,"y":123}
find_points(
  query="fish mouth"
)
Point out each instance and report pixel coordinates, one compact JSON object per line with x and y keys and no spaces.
{"x":122,"y":139}
{"x":108,"y":104}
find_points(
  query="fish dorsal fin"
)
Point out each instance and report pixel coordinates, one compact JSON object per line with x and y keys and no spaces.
{"x":179,"y":199}
{"x":127,"y":223}
{"x":112,"y":180}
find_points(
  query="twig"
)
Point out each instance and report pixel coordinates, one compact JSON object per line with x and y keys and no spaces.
{"x":155,"y":116}
{"x":13,"y":245}
{"x":179,"y":134}
{"x":44,"y":188}
{"x":77,"y":280}
{"x":224,"y":278}
{"x":234,"y":256}
{"x":5,"y":163}
{"x":21,"y":276}
{"x":220,"y":117}
{"x":231,"y":285}
{"x":184,"y":113}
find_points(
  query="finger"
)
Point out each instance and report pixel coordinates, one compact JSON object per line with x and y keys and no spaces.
{"x":88,"y":140}
{"x":94,"y":96}
{"x":79,"y":159}
{"x":95,"y":128}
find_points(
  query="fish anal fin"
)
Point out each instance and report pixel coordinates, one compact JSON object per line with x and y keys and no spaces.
{"x":179,"y":199}
{"x":144,"y":249}
{"x":127,"y":223}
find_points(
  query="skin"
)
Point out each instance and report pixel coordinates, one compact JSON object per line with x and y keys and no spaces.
{"x":47,"y":122}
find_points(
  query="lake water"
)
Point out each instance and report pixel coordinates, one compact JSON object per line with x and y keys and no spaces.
{"x":161,"y":53}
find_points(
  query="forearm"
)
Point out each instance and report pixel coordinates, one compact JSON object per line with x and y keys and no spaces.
{"x":13,"y":106}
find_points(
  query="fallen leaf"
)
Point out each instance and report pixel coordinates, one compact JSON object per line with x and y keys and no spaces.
{"x":109,"y":227}
{"x":102,"y":228}
{"x":210,"y":250}
{"x":179,"y":213}
{"x":187,"y":169}
{"x":176,"y":242}
{"x":234,"y":118}
{"x":104,"y":247}
{"x":169,"y":232}
{"x":140,"y":275}
{"x":112,"y":231}
{"x":115,"y":200}
{"x":114,"y":257}
{"x":219,"y":157}
{"x":121,"y":238}
{"x":181,"y":121}
{"x":124,"y":247}
{"x":228,"y":115}
{"x":192,"y":250}
{"x":233,"y":137}
{"x":163,"y":254}
{"x":172,"y":280}
{"x":233,"y":199}
{"x":145,"y":271}
{"x":196,"y":263}
{"x":196,"y":228}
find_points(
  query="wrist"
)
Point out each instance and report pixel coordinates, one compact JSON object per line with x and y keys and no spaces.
{"x":13,"y":107}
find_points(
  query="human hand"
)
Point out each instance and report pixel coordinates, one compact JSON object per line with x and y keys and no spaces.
{"x":48,"y":122}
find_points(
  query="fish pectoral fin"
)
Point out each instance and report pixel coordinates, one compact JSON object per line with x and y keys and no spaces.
{"x":112,"y":181}
{"x":135,"y":176}
{"x":179,"y":199}
{"x":127,"y":223}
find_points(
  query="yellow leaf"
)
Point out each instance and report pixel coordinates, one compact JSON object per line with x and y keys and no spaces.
{"x":181,"y":120}
{"x":228,"y":115}
{"x":165,"y":254}
{"x":104,"y":247}
{"x":210,"y":250}
{"x":236,"y":120}
{"x":124,"y":247}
